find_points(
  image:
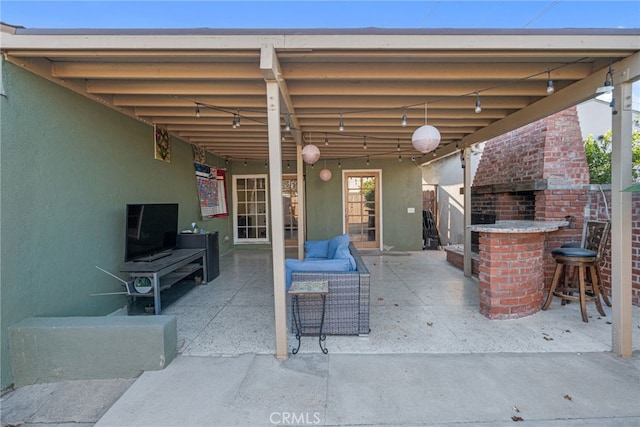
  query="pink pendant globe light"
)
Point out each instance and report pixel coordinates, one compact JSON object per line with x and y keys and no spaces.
{"x":325,"y":174}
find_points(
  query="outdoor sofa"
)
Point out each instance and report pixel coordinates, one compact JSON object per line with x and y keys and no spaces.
{"x":347,"y":304}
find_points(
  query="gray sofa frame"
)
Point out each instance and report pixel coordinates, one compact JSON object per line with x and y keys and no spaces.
{"x":347,"y":304}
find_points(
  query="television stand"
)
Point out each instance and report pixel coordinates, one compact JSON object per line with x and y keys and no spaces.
{"x":152,"y":257}
{"x":165,"y":272}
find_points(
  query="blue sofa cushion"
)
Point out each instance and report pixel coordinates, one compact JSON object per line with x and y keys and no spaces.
{"x":334,"y":242}
{"x":316,"y":248}
{"x":343,"y":253}
{"x":292,"y":265}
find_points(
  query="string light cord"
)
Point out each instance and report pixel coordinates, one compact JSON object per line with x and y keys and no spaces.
{"x":236,"y":112}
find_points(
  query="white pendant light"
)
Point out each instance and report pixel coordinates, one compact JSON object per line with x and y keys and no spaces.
{"x":426,"y":138}
{"x":310,"y":154}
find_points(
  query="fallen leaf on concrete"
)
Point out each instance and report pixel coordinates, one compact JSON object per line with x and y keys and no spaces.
{"x":516,"y":418}
{"x":380,"y":299}
{"x":516,"y":410}
{"x":548,"y":338}
{"x":567,"y":397}
{"x":429,"y":323}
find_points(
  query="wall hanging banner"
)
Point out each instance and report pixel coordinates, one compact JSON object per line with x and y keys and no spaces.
{"x":162,"y":144}
{"x":199,"y":155}
{"x":211,"y":191}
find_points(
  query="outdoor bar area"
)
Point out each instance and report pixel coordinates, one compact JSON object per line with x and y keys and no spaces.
{"x":512,"y":266}
{"x":539,"y":205}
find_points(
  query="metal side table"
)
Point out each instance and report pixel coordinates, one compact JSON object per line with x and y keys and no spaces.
{"x":308,"y":289}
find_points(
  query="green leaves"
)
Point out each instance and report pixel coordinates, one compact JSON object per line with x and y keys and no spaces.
{"x":598,"y":152}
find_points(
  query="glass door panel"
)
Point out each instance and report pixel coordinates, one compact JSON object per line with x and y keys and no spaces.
{"x":251,"y":209}
{"x":362,"y":212}
{"x":290,"y":209}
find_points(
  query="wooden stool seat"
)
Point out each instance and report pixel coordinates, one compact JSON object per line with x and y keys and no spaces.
{"x":577,"y":276}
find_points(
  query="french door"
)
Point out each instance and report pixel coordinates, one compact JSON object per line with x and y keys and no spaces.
{"x":362,"y":207}
{"x":251,"y":219}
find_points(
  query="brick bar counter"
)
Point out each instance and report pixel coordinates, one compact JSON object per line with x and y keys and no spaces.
{"x":511,"y":267}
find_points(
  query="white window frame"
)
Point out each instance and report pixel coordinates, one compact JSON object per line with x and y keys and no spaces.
{"x":247,"y":240}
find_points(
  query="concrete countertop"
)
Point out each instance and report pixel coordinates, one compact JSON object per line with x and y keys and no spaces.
{"x":515,"y":226}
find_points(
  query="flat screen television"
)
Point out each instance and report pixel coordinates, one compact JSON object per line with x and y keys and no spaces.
{"x":151,"y":231}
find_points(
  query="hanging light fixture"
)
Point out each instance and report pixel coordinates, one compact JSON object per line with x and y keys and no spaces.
{"x":426,"y":138}
{"x":341,"y":124}
{"x":325,"y":174}
{"x":197,"y":110}
{"x":339,"y":165}
{"x":550,"y":88}
{"x":326,"y":139}
{"x":287,"y":124}
{"x":398,"y":145}
{"x":403,"y":123}
{"x":236,"y":120}
{"x":364,"y":143}
{"x":310,"y":153}
{"x":478,"y":104}
{"x":367,"y":160}
{"x":608,"y":82}
{"x":608,"y":88}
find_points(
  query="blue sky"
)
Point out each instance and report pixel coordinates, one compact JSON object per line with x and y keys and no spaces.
{"x":321,"y":14}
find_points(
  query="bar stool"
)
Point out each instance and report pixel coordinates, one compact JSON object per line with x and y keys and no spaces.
{"x":577,"y":271}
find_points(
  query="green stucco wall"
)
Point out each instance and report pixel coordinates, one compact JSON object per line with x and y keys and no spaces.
{"x":68,"y":167}
{"x":401,"y":189}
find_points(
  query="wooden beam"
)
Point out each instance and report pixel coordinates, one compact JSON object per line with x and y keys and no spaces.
{"x":560,"y":100}
{"x":277,"y":221}
{"x":621,"y":222}
{"x":430,"y":71}
{"x":176,"y":88}
{"x":426,"y":88}
{"x":153,"y":71}
{"x":270,"y":67}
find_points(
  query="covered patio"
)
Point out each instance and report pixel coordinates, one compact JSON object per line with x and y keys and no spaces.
{"x":419,"y":304}
{"x":87,"y":101}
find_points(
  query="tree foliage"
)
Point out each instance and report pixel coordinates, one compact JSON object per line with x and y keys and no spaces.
{"x":598,"y":152}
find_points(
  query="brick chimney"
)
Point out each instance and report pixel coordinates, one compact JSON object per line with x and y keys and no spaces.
{"x":536,"y":172}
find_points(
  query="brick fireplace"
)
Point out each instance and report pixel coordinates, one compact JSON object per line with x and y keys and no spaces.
{"x":538,"y":172}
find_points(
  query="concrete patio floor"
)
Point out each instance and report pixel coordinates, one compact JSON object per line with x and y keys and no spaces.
{"x":431,"y":359}
{"x":419,"y":304}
